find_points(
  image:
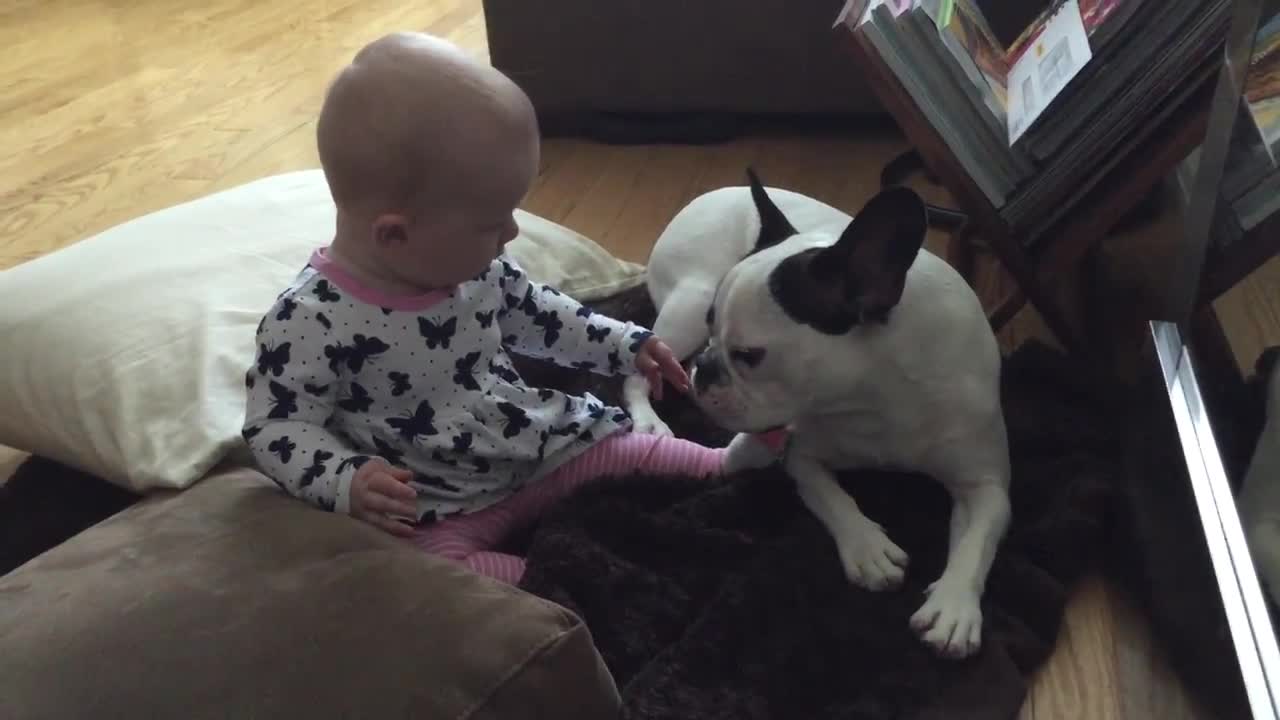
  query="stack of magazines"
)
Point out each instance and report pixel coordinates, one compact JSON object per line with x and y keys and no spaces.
{"x":1250,"y":189}
{"x":1037,"y":124}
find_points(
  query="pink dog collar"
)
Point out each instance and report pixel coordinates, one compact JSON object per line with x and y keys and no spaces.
{"x":775,"y":439}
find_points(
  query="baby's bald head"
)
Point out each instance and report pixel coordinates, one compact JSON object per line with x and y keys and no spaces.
{"x":414,"y":124}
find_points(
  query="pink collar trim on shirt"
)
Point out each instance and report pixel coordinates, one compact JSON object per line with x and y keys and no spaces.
{"x":353,"y":287}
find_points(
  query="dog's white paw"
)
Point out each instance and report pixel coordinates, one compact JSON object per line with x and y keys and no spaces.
{"x":871,"y":560}
{"x":646,"y":421}
{"x":950,"y":621}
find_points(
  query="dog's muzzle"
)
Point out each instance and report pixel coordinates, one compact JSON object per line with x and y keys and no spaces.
{"x":707,"y":371}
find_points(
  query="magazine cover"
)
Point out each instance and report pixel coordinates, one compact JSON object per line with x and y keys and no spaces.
{"x":1262,"y":85}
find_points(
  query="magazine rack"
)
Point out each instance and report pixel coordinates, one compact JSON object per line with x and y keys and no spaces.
{"x":1047,"y":270}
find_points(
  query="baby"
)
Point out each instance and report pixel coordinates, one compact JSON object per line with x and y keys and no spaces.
{"x":382,"y":386}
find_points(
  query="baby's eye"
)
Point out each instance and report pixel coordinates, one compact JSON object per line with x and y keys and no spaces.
{"x":751,"y":357}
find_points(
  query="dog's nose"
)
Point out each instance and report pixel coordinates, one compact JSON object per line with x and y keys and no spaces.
{"x":706,"y":372}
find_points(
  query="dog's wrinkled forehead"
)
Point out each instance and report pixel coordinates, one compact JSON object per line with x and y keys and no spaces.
{"x":834,"y":287}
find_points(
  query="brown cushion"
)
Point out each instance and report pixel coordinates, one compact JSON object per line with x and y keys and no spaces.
{"x":231,"y":600}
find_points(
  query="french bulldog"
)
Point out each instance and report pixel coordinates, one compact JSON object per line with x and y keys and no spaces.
{"x":864,"y":349}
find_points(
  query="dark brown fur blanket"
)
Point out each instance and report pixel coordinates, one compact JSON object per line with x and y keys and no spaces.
{"x":727,"y":600}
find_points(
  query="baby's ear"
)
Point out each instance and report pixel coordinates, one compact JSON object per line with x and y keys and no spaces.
{"x":390,"y":230}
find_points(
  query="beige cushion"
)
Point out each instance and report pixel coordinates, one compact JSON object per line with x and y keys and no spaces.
{"x":230,"y":600}
{"x":124,"y":354}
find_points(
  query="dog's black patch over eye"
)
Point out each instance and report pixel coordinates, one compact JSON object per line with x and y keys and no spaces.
{"x":751,"y":357}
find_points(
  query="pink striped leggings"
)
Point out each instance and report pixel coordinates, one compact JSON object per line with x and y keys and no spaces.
{"x":470,"y":539}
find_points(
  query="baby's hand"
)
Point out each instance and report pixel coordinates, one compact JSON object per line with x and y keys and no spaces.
{"x":378,"y":489}
{"x":657,"y":361}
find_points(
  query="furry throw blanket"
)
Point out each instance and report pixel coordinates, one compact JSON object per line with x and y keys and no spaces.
{"x":727,"y":600}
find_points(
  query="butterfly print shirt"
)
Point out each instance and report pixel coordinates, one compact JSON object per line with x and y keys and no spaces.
{"x":343,"y":374}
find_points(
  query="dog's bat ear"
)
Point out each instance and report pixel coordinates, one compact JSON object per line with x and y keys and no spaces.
{"x":873,"y":255}
{"x":774,"y":226}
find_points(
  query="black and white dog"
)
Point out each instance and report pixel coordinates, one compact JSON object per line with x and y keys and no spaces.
{"x":869,"y":350}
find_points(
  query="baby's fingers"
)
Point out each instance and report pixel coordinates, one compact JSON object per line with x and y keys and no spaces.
{"x":381,"y":504}
{"x":384,"y":484}
{"x":391,"y":525}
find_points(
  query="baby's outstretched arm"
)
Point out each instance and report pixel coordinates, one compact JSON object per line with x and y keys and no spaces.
{"x":539,"y":321}
{"x":292,"y":393}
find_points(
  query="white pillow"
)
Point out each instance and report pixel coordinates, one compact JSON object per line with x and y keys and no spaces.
{"x":124,"y":355}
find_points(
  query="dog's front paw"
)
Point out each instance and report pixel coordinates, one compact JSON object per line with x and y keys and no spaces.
{"x":647,"y":422}
{"x":871,"y":560}
{"x":950,"y":621}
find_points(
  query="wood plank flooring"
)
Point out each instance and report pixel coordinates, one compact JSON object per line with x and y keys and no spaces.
{"x":110,"y":109}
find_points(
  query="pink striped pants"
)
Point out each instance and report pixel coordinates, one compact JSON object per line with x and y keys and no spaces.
{"x":470,"y":539}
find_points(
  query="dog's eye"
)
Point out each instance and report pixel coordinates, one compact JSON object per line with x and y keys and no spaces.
{"x":750,"y":357}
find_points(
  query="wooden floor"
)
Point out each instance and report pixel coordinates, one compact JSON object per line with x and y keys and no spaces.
{"x":110,"y":109}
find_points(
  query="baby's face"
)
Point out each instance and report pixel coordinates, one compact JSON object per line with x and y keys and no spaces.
{"x":459,"y":238}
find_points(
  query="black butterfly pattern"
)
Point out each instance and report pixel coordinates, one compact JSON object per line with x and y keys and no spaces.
{"x":358,"y":401}
{"x":432,"y":481}
{"x":462,"y":442}
{"x":386,"y":311}
{"x":399,"y":383}
{"x":583,"y":365}
{"x":317,"y":390}
{"x":287,"y":307}
{"x":362,"y":350}
{"x":481,"y":465}
{"x":542,"y":446}
{"x":597,"y":334}
{"x":504,"y":372}
{"x":273,"y":359}
{"x":326,"y":293}
{"x":551,"y":326}
{"x":639,"y":337}
{"x":595,"y":411}
{"x":283,"y":447}
{"x":337,"y":355}
{"x":284,"y":402}
{"x":514,"y":419}
{"x":466,"y":370}
{"x":509,"y":271}
{"x":615,"y":362}
{"x":485,"y":319}
{"x":567,"y":430}
{"x":250,"y":432}
{"x":419,"y":424}
{"x":315,"y":469}
{"x":386,"y":451}
{"x":324,"y":320}
{"x":546,"y":394}
{"x":587,"y":436}
{"x":438,"y":335}
{"x":526,"y":305}
{"x":354,"y":462}
{"x":584,"y":312}
{"x":620,"y":416}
